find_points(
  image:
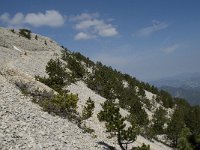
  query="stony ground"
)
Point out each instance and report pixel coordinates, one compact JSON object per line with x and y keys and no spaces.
{"x":23,"y":124}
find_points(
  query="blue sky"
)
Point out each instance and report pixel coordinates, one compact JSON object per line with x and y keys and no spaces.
{"x":147,"y":39}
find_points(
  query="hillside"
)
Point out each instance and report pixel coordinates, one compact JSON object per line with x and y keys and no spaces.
{"x":26,"y":125}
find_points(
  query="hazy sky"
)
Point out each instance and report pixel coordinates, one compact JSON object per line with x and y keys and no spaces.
{"x":148,"y":39}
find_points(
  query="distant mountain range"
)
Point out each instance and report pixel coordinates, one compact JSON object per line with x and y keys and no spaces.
{"x":185,"y":86}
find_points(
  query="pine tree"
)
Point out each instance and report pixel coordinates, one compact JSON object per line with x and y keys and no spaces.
{"x":159,"y":119}
{"x":175,"y":126}
{"x":115,"y":124}
{"x":88,"y":109}
{"x":58,"y":76}
{"x":183,"y":143}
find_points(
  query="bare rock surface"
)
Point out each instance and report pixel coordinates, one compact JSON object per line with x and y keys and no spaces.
{"x":23,"y":124}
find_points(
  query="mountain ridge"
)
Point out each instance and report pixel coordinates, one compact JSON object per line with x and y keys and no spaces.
{"x":19,"y":67}
{"x":185,"y":86}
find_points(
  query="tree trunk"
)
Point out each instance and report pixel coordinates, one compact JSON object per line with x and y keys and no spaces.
{"x":119,"y":141}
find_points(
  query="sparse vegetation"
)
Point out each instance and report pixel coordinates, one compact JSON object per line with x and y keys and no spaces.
{"x":25,"y":33}
{"x":74,"y":65}
{"x":143,"y":147}
{"x":87,"y":129}
{"x":64,"y":105}
{"x":108,"y":83}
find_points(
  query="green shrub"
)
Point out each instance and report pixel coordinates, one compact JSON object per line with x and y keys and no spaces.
{"x":12,"y":30}
{"x":58,"y":76}
{"x":143,"y":147}
{"x":63,"y":105}
{"x":159,"y":119}
{"x":87,"y":129}
{"x":115,"y":124}
{"x":88,"y":109}
{"x":183,"y":140}
{"x":25,"y":33}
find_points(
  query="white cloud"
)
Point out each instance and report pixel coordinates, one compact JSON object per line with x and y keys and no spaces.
{"x":83,"y":36}
{"x":156,"y":26}
{"x":171,"y":48}
{"x":17,"y":20}
{"x":50,"y":18}
{"x":93,"y":25}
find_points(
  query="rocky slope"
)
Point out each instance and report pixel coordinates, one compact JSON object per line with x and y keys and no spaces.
{"x":23,"y":124}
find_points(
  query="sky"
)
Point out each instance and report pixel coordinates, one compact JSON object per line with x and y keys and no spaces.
{"x":146,"y":39}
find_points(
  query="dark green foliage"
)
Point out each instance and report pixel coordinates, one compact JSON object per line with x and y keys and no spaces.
{"x":143,"y":147}
{"x":115,"y":124}
{"x":195,"y":141}
{"x":165,"y":98}
{"x":25,"y":33}
{"x":147,"y":87}
{"x":45,"y":42}
{"x":139,"y":114}
{"x":175,"y":126}
{"x":108,"y":83}
{"x":36,"y":37}
{"x":88,"y":109}
{"x":159,"y":119}
{"x":63,"y":105}
{"x":58,"y":77}
{"x":184,"y":116}
{"x":12,"y":30}
{"x":193,"y":123}
{"x":193,"y":120}
{"x":183,"y":140}
{"x":141,"y":92}
{"x":87,"y":129}
{"x":75,"y":66}
{"x":84,"y":59}
{"x":147,"y":103}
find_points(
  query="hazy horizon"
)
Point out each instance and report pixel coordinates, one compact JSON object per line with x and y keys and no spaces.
{"x":147,"y":39}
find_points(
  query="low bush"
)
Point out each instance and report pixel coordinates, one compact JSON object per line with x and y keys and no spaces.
{"x":88,"y":109}
{"x":25,"y":33}
{"x":62,"y":105}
